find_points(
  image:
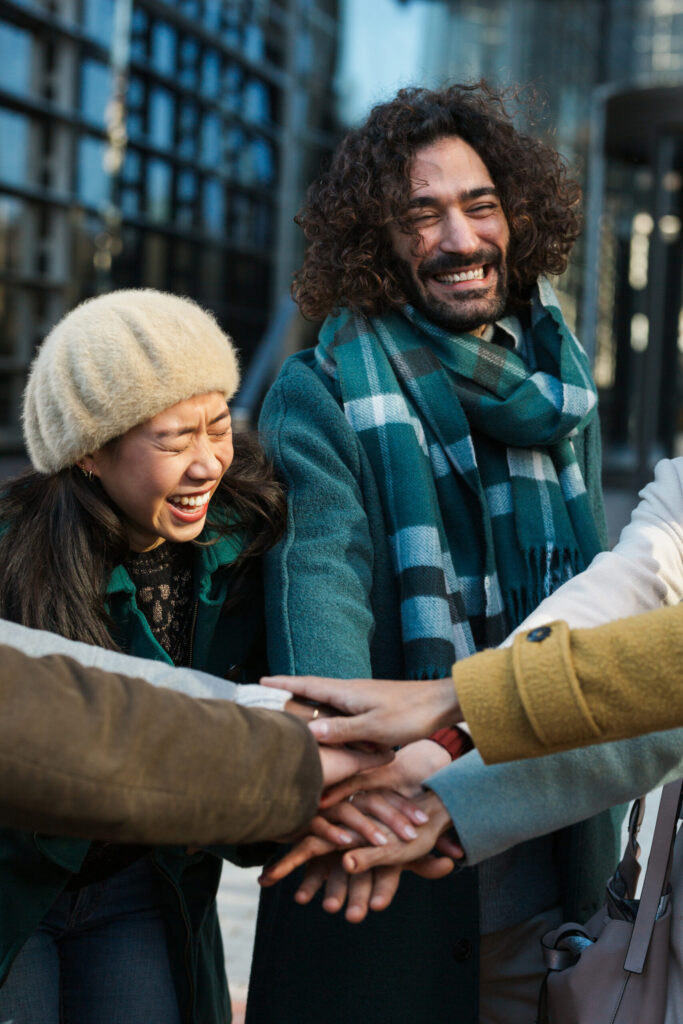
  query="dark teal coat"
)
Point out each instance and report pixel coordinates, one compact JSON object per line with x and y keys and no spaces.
{"x":34,"y":868}
{"x":332,"y":609}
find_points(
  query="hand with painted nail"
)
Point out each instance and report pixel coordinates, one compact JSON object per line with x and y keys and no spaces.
{"x":387,"y":712}
{"x":374,"y":817}
{"x":367,"y":878}
{"x":414,"y":852}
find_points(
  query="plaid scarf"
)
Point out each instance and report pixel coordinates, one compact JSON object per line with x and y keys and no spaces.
{"x":486,"y":506}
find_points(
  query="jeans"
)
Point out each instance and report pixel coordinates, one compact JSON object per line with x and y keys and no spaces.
{"x":98,"y":956}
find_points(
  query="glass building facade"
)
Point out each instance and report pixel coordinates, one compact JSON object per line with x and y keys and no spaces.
{"x":152,"y":143}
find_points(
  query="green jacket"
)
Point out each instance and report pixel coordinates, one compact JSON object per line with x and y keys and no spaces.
{"x":332,"y":609}
{"x":34,"y":868}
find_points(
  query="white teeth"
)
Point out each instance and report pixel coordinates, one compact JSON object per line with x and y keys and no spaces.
{"x":467,"y":275}
{"x":192,"y":500}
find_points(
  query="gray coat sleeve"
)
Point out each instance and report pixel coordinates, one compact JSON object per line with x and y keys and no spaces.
{"x":37,"y":643}
{"x":494,"y":807}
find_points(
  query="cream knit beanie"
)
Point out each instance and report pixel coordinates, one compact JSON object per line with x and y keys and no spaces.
{"x":116,"y":361}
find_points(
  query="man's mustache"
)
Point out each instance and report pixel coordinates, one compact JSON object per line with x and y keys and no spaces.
{"x":451,"y":263}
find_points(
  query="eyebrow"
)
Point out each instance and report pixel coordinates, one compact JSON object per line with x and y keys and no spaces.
{"x":417,"y":202}
{"x":190,"y":430}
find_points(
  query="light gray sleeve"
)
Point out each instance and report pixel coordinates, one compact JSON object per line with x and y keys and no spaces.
{"x":494,"y":807}
{"x":193,"y":683}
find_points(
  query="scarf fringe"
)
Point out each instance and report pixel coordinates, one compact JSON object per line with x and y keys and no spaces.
{"x":546,"y":570}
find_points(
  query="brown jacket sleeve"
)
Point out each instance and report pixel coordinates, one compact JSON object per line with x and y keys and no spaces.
{"x":567,"y":689}
{"x":89,"y":753}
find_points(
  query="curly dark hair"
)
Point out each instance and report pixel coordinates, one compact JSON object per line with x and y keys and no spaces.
{"x":349,"y":260}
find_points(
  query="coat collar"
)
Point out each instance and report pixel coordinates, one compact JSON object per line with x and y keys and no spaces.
{"x":208,"y":559}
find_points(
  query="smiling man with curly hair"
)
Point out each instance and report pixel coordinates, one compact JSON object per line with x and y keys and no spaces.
{"x":441,"y":451}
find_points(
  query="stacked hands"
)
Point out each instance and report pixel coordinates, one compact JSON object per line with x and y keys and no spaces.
{"x":376,"y":822}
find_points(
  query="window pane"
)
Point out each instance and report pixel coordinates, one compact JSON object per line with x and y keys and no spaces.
{"x":211,"y":73}
{"x":158,"y":190}
{"x":15,"y":63}
{"x":95,"y":90}
{"x":253,"y":42}
{"x":211,"y":137}
{"x":93,"y":183}
{"x":161,"y":118}
{"x":213,"y":207}
{"x":256,"y":102}
{"x":13,"y":152}
{"x":98,"y":20}
{"x":163,"y":48}
{"x":138,"y":36}
{"x":187,"y":66}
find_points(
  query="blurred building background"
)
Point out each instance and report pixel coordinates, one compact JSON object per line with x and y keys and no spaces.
{"x":168,"y":144}
{"x":154,"y":143}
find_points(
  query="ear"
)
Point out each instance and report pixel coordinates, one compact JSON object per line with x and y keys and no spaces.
{"x":88,"y":466}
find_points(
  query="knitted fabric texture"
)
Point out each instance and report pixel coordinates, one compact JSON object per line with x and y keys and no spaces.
{"x":116,"y":361}
{"x":486,"y":506}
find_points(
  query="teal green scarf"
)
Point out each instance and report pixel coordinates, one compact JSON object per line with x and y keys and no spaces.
{"x":475,"y":456}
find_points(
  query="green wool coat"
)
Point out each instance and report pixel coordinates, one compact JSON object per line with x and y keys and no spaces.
{"x":332,"y":609}
{"x":34,"y":868}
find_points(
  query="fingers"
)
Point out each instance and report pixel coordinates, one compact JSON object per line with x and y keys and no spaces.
{"x":307,"y":849}
{"x":314,"y":879}
{"x":449,"y":845}
{"x":431,"y":867}
{"x":360,"y":889}
{"x":336,"y":889}
{"x":366,"y":826}
{"x":390,"y":810}
{"x":326,"y":829}
{"x":318,"y":688}
{"x":403,"y":805}
{"x":386,"y":883}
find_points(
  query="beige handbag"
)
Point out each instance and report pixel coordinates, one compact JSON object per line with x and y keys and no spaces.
{"x":624,"y":966}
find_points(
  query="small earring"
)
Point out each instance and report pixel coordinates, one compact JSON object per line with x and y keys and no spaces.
{"x":88,"y":473}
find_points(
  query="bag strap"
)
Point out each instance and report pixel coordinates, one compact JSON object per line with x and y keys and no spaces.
{"x":656,"y":877}
{"x":628,"y":868}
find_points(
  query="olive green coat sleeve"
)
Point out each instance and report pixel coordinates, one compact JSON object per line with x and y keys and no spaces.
{"x":571,"y":688}
{"x":90,"y":753}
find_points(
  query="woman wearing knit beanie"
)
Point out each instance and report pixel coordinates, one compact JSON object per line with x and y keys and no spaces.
{"x":128,"y":428}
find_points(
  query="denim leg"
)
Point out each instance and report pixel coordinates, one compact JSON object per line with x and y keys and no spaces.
{"x":115,"y":966}
{"x":99,"y":956}
{"x":30,"y":994}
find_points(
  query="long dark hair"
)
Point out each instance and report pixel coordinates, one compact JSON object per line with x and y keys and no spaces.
{"x":62,"y":536}
{"x":350,"y":259}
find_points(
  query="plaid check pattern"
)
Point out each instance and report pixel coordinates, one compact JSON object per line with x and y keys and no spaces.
{"x":473,"y":451}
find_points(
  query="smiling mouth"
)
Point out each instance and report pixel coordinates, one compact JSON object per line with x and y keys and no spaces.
{"x":189,"y":507}
{"x":456,"y":277}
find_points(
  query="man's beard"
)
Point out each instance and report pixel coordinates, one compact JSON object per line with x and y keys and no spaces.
{"x":468,"y":310}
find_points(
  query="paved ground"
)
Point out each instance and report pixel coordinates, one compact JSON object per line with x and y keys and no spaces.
{"x":237,"y":902}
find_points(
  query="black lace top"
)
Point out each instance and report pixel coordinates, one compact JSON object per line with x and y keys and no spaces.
{"x":165,"y":595}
